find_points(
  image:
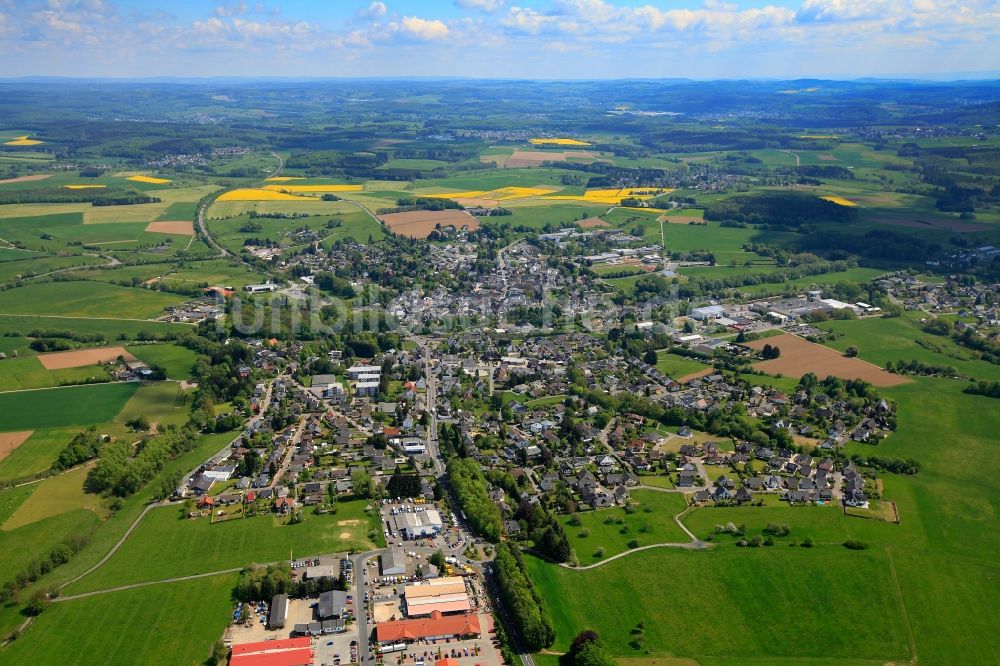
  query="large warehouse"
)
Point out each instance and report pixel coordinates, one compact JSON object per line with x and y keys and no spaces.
{"x":418,"y":524}
{"x":441,"y":595}
{"x":434,"y":627}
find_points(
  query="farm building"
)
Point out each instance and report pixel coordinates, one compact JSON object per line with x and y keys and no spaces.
{"x":393,"y":562}
{"x":418,"y":524}
{"x":282,"y":652}
{"x":442,"y":595}
{"x":434,"y":627}
{"x":279,"y":612}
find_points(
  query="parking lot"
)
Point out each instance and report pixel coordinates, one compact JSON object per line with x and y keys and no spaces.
{"x":337,"y":649}
{"x":452,"y":540}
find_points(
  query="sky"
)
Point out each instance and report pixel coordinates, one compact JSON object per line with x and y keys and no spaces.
{"x":521,"y":39}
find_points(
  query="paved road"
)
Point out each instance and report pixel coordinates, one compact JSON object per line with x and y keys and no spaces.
{"x":360,"y":607}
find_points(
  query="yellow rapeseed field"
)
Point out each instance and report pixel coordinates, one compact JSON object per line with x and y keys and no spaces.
{"x":840,"y":201}
{"x":84,"y":187}
{"x":22,"y":141}
{"x":559,"y":142}
{"x":256,"y":194}
{"x":818,"y":136}
{"x":149,"y":179}
{"x":315,"y":188}
{"x":283,"y":179}
{"x":613,"y":196}
{"x":500,"y":194}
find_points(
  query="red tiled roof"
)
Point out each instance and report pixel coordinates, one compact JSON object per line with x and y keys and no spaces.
{"x":270,"y":646}
{"x":436,"y":625}
{"x":282,"y":652}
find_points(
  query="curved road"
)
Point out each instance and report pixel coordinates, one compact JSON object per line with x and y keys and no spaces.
{"x":200,"y":219}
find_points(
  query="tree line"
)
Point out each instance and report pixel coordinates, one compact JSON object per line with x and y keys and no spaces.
{"x":528,"y":612}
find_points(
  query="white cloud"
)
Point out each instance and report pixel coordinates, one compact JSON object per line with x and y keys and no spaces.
{"x":488,"y":6}
{"x":423,"y":29}
{"x":375,"y":10}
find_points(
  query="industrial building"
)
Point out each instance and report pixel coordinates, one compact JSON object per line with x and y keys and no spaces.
{"x":418,"y":524}
{"x":332,"y":604}
{"x":441,"y":595}
{"x":279,"y":612}
{"x":393,"y":562}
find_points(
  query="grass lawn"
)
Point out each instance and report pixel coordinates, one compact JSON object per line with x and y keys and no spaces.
{"x":61,"y":407}
{"x":37,"y":453}
{"x":166,"y":545}
{"x":86,"y":299}
{"x":612,"y":529}
{"x":163,"y":403}
{"x":676,"y":366}
{"x":150,"y":625}
{"x":54,"y":496}
{"x":176,"y":360}
{"x":735,"y":603}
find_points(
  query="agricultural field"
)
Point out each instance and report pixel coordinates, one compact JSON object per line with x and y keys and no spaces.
{"x":166,"y":544}
{"x":420,"y":223}
{"x":54,"y":496}
{"x":799,"y":356}
{"x":62,"y":407}
{"x":160,"y":403}
{"x":137,"y":626}
{"x":29,"y":372}
{"x":86,"y":299}
{"x":111,"y":329}
{"x":36,"y":453}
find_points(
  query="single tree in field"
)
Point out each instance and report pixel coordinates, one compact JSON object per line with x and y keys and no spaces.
{"x":851,"y":352}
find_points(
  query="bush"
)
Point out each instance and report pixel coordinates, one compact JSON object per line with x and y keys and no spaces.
{"x":854,"y":544}
{"x":807,"y":542}
{"x":634,"y":543}
{"x":777,"y":529}
{"x":599,"y":552}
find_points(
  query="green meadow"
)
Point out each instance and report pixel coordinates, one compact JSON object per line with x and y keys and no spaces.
{"x":166,"y":544}
{"x":612,"y":530}
{"x":86,"y":299}
{"x":137,"y":626}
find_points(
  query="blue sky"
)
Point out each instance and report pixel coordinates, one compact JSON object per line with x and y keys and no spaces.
{"x":500,"y":38}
